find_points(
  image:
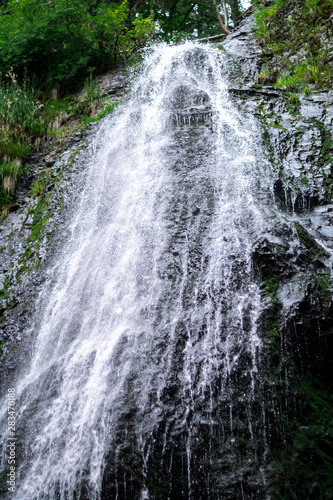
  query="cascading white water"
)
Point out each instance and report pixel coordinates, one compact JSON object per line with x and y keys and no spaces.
{"x":152,"y":307}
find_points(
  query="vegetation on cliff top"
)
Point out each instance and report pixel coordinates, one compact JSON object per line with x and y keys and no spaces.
{"x":44,"y":46}
{"x":297,"y":41}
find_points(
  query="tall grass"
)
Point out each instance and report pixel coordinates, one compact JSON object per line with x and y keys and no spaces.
{"x":20,"y":111}
{"x":25,"y":121}
{"x":21,"y":122}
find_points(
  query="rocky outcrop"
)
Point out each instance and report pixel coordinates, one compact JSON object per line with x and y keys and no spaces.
{"x":293,"y":265}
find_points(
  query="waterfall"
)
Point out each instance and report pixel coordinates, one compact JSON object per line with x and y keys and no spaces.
{"x":145,"y":370}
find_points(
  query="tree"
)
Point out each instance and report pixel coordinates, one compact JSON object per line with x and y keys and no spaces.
{"x":60,"y":39}
{"x":198,"y":19}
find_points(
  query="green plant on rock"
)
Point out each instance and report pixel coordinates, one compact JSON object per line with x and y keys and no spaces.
{"x":293,"y":103}
{"x":20,"y":119}
{"x":1,"y":346}
{"x":309,"y":242}
{"x":300,"y":37}
{"x":92,"y":89}
{"x":93,"y":93}
{"x":44,"y":188}
{"x":266,"y":76}
{"x":21,"y":123}
{"x":324,"y":281}
{"x":278,"y":48}
{"x":19,"y":107}
{"x":294,"y":99}
{"x":309,"y":72}
{"x":326,"y":155}
{"x":264,"y":14}
{"x":29,"y":258}
{"x":312,"y":7}
{"x":38,"y":188}
{"x":25,"y":121}
{"x":109,"y":107}
{"x":5,"y":201}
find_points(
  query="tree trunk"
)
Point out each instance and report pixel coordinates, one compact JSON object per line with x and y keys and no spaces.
{"x":224,"y":26}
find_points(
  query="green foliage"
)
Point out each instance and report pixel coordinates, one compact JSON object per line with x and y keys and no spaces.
{"x":295,"y":28}
{"x":130,"y":40}
{"x":55,"y":41}
{"x":305,"y":465}
{"x":19,"y":107}
{"x":42,"y":215}
{"x":312,"y":7}
{"x":25,"y":121}
{"x":93,"y":92}
{"x":264,"y":14}
{"x":265,"y":75}
{"x":73,"y":155}
{"x":11,"y":169}
{"x":38,"y":188}
{"x":109,"y":108}
{"x":309,"y":242}
{"x":326,"y":155}
{"x":9,"y":173}
{"x":13,"y":148}
{"x":182,"y":19}
{"x":324,"y":281}
{"x":294,"y":100}
{"x":22,"y":124}
{"x":271,"y":286}
{"x":5,"y":200}
{"x":310,"y":71}
{"x":40,"y":219}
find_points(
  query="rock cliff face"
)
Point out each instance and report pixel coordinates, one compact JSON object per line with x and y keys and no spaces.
{"x":291,"y":263}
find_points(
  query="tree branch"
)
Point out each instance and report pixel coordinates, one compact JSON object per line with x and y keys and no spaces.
{"x":209,"y":38}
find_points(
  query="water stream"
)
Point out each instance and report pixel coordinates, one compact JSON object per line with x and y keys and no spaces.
{"x":145,"y":368}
